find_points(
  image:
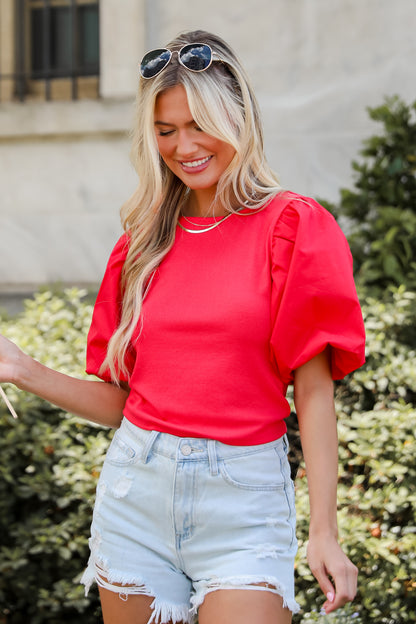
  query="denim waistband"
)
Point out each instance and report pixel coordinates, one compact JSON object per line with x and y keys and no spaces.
{"x":194,"y":449}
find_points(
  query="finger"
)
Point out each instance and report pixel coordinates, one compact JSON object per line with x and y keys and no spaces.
{"x":328,"y":605}
{"x":324,"y":582}
{"x":346,"y":588}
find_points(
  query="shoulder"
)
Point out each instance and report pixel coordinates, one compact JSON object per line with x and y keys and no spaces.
{"x":122,"y":245}
{"x":115,"y":263}
{"x":293,"y":215}
{"x":287,"y":203}
{"x":119,"y":252}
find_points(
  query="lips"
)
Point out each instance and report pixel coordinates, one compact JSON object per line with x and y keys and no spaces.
{"x":195,"y":164}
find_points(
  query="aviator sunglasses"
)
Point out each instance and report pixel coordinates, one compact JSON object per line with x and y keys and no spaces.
{"x":196,"y":57}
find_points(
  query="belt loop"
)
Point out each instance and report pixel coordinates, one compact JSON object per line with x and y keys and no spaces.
{"x":212,"y":456}
{"x":148,"y":445}
{"x":285,"y":443}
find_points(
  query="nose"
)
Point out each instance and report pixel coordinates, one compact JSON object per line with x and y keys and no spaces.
{"x":186,"y":145}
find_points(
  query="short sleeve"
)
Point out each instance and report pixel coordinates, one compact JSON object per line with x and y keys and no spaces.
{"x":314,"y":303}
{"x":106,"y":315}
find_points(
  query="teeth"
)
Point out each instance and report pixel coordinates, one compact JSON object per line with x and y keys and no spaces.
{"x":196,"y":163}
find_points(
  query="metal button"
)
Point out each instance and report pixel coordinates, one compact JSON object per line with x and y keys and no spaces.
{"x":186,"y":449}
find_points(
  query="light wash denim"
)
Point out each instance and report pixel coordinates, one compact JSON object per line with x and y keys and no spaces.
{"x":176,"y":518}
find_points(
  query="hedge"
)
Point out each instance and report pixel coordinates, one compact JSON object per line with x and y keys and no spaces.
{"x":380,"y":211}
{"x":50,"y":461}
{"x":49,"y":464}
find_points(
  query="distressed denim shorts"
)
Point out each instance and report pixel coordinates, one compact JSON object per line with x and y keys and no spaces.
{"x":176,"y":518}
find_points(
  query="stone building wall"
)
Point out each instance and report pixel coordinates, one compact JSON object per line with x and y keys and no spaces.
{"x":315,"y":65}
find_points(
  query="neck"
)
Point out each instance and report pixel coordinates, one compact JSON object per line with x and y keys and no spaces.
{"x":200,"y":204}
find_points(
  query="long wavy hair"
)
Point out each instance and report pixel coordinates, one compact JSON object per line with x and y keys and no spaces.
{"x":223,"y":105}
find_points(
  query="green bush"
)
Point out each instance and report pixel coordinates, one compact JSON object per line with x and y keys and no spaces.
{"x":377,"y":497}
{"x":48,"y":469}
{"x":346,"y":615}
{"x":50,"y":461}
{"x":380,"y":213}
{"x":390,"y":371}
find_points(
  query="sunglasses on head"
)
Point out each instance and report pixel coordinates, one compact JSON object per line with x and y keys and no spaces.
{"x":196,"y":57}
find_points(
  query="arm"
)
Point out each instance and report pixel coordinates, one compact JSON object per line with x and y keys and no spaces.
{"x":97,"y":401}
{"x":314,"y":403}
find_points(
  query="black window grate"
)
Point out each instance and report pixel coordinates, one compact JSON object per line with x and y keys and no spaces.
{"x":53,"y":41}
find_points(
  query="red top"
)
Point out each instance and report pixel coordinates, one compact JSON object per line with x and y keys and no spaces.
{"x":230,"y":314}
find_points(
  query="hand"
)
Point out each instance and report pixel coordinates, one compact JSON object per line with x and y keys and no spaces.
{"x":100,"y":402}
{"x":10,"y":356}
{"x":327,"y":560}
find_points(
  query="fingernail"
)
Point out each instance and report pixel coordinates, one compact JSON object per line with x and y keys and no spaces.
{"x":330,"y":596}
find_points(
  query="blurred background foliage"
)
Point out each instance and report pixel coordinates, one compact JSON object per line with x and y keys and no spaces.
{"x":377,"y":473}
{"x":50,"y":460}
{"x":379,"y":214}
{"x":49,"y":465}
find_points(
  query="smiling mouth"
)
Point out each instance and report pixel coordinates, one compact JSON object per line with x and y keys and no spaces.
{"x":196,"y":163}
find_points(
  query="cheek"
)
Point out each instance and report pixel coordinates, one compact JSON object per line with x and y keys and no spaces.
{"x":167,"y":158}
{"x":232,"y":154}
{"x":225,"y":149}
{"x":159,"y":144}
{"x":164,"y":151}
{"x":229,"y":155}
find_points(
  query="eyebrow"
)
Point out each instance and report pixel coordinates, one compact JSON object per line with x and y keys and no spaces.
{"x":167,"y":123}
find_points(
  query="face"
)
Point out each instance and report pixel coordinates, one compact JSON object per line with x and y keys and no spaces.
{"x":195,"y":157}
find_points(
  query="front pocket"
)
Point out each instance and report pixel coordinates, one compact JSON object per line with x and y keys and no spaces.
{"x":254,"y":471}
{"x":120,"y":452}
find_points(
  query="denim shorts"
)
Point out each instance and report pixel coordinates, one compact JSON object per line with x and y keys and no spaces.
{"x":176,"y":518}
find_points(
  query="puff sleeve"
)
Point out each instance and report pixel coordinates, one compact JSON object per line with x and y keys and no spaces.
{"x":314,"y":300}
{"x":106,"y":315}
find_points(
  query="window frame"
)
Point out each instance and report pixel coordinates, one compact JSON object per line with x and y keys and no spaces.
{"x":76,"y":81}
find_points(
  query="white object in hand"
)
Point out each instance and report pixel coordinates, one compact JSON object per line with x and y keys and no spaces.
{"x":9,"y":405}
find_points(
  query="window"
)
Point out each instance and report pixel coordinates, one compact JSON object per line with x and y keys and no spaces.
{"x":56,"y":50}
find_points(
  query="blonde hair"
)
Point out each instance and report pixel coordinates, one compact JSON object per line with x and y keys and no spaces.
{"x":223,"y":105}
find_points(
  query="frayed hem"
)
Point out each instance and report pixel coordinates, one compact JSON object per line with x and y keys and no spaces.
{"x":162,"y":611}
{"x":98,"y":571}
{"x":202,"y":588}
{"x":87,"y":579}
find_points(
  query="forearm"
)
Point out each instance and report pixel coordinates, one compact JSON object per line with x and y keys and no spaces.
{"x":318,"y":430}
{"x":314,"y":403}
{"x":97,"y":401}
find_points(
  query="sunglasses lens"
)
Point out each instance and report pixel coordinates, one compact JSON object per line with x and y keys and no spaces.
{"x":153,"y":62}
{"x":196,"y":57}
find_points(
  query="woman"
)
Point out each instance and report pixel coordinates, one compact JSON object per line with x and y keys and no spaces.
{"x":223,"y":290}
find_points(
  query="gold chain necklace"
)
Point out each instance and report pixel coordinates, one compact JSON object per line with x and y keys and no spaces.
{"x":205,"y":229}
{"x":198,"y":225}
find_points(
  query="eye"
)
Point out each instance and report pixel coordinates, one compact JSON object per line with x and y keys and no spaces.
{"x":164,"y":133}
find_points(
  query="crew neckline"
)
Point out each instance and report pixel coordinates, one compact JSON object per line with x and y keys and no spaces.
{"x":209,"y":219}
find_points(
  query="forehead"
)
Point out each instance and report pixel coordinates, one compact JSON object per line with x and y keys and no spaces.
{"x":172,"y":105}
